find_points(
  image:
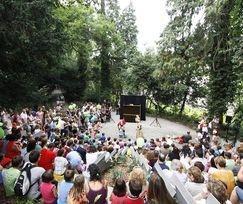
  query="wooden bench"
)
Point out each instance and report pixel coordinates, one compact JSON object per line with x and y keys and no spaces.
{"x":182,"y":195}
{"x":170,"y":188}
{"x":124,"y":151}
{"x":212,"y":200}
{"x":112,"y":154}
{"x":145,"y":165}
{"x":101,"y":163}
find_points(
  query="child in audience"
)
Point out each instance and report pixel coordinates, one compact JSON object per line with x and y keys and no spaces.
{"x":65,"y":187}
{"x":47,"y":188}
{"x":119,"y":192}
{"x":138,"y":174}
{"x":60,"y":164}
{"x":135,"y":188}
{"x":77,"y":194}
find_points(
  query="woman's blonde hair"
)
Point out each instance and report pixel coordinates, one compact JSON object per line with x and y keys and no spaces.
{"x":138,"y":174}
{"x":78,"y":188}
{"x":176,"y":165}
{"x":220,"y":161}
{"x":196,"y":173}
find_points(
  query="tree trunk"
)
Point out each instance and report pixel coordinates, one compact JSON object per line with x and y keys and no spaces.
{"x":105,"y":63}
{"x":183,"y":103}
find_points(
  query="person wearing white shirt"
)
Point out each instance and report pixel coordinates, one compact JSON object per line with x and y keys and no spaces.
{"x":60,"y":163}
{"x":35,"y":178}
{"x":91,"y":156}
{"x":195,"y":184}
{"x":24,"y":116}
{"x":177,"y":169}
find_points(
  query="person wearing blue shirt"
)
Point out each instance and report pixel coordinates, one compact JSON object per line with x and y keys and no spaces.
{"x":161,"y":162}
{"x":65,"y":187}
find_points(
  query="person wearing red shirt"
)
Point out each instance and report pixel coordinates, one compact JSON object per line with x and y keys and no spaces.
{"x":47,"y":157}
{"x":121,"y":124}
{"x":135,"y":188}
{"x":13,"y":148}
{"x":121,"y":127}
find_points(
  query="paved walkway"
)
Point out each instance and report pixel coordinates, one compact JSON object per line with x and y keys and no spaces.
{"x":168,"y":128}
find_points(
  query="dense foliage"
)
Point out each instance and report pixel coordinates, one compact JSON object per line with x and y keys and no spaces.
{"x":30,"y":46}
{"x":204,"y":57}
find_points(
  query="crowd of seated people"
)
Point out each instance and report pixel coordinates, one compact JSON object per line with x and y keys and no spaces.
{"x":55,"y":151}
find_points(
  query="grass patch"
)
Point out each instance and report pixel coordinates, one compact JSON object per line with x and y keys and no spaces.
{"x":190,"y":117}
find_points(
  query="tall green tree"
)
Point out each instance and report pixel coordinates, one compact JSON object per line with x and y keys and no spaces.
{"x":128,"y":50}
{"x":129,"y":31}
{"x":180,"y":54}
{"x":31,"y":44}
{"x":115,"y":41}
{"x":103,"y":36}
{"x":222,"y":75}
{"x":78,"y":26}
{"x":124,"y":46}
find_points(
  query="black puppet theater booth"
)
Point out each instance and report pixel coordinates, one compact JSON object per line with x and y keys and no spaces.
{"x":131,"y":105}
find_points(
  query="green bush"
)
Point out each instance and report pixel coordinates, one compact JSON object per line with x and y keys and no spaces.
{"x":190,"y":116}
{"x":116,"y":174}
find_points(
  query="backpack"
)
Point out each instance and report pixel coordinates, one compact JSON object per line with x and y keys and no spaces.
{"x":23,"y":183}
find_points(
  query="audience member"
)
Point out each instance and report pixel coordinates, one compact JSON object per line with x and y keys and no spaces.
{"x":135,"y":189}
{"x":97,"y":192}
{"x":48,"y":189}
{"x":224,"y":175}
{"x":138,"y":174}
{"x":77,"y":194}
{"x":157,"y":191}
{"x":35,"y":178}
{"x":119,"y":192}
{"x":10,"y":175}
{"x":195,"y":184}
{"x":65,"y":186}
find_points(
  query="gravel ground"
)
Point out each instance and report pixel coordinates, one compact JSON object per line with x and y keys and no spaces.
{"x":167,"y":128}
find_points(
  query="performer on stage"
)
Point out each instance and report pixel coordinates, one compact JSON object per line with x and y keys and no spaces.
{"x":137,"y":119}
{"x":139,"y":132}
{"x":121,"y":127}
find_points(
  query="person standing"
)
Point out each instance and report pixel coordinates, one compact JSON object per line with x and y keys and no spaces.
{"x":139,"y":131}
{"x":137,"y":119}
{"x":121,"y":127}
